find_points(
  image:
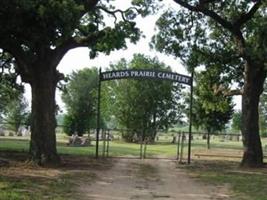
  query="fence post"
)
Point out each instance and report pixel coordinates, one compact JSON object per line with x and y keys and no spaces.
{"x":144,"y":156}
{"x":178,"y":146}
{"x":98,"y":114}
{"x":108,"y":143}
{"x":190,"y":119}
{"x":141,"y":147}
{"x":104,"y":142}
{"x":182,"y":147}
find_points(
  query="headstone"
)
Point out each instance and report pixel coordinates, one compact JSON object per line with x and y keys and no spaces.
{"x":20,"y":130}
{"x":173,"y":139}
{"x":10,"y":134}
{"x":85,"y":141}
{"x":77,"y":141}
{"x":25,"y":131}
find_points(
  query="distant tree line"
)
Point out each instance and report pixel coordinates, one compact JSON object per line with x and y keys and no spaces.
{"x":141,"y":106}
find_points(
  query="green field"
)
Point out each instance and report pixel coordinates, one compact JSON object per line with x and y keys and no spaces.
{"x":225,"y":149}
{"x":246,"y":184}
{"x":216,"y":166}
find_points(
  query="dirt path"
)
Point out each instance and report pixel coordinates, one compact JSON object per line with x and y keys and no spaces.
{"x":133,"y":179}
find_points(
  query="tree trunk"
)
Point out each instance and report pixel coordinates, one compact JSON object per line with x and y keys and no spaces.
{"x":43,"y":138}
{"x":253,"y":87}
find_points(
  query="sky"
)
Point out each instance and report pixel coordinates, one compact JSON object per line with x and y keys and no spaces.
{"x":78,"y":58}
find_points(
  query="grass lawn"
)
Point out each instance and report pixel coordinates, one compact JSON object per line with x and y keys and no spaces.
{"x":246,"y":184}
{"x":25,"y":181}
{"x":22,"y":180}
{"x":17,"y":186}
{"x":118,"y":148}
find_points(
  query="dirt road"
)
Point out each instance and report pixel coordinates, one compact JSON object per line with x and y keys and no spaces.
{"x":133,"y":179}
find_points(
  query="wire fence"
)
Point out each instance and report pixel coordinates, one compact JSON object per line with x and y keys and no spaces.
{"x":172,"y":144}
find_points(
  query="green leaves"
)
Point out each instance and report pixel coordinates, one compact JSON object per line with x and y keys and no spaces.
{"x":80,"y":98}
{"x":17,"y":112}
{"x":146,"y":7}
{"x":237,"y":121}
{"x":188,"y":35}
{"x":36,"y":27}
{"x":114,"y":38}
{"x":144,"y":105}
{"x":210,"y":111}
{"x":9,"y":88}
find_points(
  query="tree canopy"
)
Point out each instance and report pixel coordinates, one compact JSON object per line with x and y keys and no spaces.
{"x":144,"y":105}
{"x":228,"y":35}
{"x":80,"y":98}
{"x":236,"y":121}
{"x":210,"y":112}
{"x":10,"y":89}
{"x":16,"y":113}
{"x":39,"y":33}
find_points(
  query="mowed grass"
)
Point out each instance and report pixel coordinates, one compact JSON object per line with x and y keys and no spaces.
{"x":24,"y":180}
{"x":35,"y":188}
{"x":46,"y":183}
{"x":163,"y":148}
{"x":116,"y":148}
{"x":243,"y":184}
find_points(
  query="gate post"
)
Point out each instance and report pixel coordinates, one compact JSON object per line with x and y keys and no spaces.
{"x":98,"y":114}
{"x":190,"y":119}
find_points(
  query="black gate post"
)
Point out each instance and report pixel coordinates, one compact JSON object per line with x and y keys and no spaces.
{"x":98,"y":114}
{"x":190,"y":119}
{"x":178,"y":145}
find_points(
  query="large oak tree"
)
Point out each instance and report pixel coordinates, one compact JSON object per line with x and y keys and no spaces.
{"x":232,"y":35}
{"x":38,"y":33}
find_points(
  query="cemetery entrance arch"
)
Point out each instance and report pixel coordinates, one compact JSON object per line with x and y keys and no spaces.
{"x":144,"y":74}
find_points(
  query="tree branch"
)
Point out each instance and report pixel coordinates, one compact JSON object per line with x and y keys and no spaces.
{"x":90,"y":4}
{"x":114,"y":12}
{"x":223,"y":22}
{"x":217,"y":89}
{"x":232,"y":27}
{"x":18,"y":54}
{"x":246,"y":17}
{"x":78,"y":42}
{"x":232,"y":92}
